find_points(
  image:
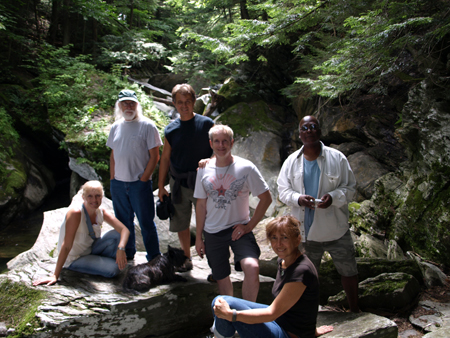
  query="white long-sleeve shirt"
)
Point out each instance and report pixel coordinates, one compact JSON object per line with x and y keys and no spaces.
{"x":336,"y":179}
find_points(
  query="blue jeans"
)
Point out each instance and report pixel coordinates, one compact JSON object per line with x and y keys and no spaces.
{"x":136,"y":197}
{"x":102,"y":260}
{"x":224,"y":328}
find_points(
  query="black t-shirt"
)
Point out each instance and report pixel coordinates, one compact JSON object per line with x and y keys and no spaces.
{"x":189,"y":141}
{"x":302,"y":317}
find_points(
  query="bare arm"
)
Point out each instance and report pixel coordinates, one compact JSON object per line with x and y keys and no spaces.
{"x":288,"y":296}
{"x":164,"y":165}
{"x":241,"y":229}
{"x":73,"y":219}
{"x":112,"y":164}
{"x":200,"y":216}
{"x":121,"y":257}
{"x":151,"y":165}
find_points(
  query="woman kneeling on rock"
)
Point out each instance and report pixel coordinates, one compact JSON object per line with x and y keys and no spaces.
{"x":293,"y":312}
{"x":81,"y":247}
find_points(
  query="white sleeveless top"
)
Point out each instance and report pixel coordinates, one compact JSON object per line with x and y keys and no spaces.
{"x":82,"y":243}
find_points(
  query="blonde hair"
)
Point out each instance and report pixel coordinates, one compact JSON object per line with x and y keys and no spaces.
{"x":89,"y":185}
{"x":221,"y":128}
{"x":288,"y":224}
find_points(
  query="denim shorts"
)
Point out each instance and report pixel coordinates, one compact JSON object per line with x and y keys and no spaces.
{"x":218,"y":245}
{"x":341,"y":250}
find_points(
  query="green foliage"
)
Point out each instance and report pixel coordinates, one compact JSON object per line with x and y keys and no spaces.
{"x":19,"y":304}
{"x":8,"y":140}
{"x":379,"y":44}
{"x":129,"y":49}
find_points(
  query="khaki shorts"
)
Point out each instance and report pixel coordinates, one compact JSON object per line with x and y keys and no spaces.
{"x":341,"y":250}
{"x":181,"y":219}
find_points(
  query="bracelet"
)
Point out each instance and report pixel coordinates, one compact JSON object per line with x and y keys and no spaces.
{"x":121,"y":248}
{"x":233,"y":319}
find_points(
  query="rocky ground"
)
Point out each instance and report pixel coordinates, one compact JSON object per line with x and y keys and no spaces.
{"x":437,"y":294}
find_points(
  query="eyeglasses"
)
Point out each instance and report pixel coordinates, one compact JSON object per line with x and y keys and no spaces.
{"x":310,"y":127}
{"x":128,"y":103}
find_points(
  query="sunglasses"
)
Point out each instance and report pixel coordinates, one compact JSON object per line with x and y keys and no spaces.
{"x":310,"y":127}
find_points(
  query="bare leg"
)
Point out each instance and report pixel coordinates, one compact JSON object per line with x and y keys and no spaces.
{"x":225,"y":286}
{"x":350,"y":285}
{"x":250,"y":285}
{"x":185,"y":241}
{"x":323,"y":329}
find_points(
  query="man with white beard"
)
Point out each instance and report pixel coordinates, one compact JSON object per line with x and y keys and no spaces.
{"x":134,"y":142}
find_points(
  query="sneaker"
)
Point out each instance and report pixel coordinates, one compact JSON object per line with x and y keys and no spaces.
{"x":187,"y":266}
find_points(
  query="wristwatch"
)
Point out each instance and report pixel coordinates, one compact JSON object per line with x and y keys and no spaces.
{"x":121,"y":248}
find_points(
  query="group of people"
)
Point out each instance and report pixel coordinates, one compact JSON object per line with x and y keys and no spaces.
{"x":315,"y":181}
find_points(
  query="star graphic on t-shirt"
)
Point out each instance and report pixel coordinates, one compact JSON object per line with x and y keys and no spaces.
{"x":221,"y":191}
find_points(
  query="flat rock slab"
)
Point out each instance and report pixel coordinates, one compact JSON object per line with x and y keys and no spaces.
{"x":355,"y":325}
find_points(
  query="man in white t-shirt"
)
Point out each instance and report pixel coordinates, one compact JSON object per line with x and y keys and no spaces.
{"x":134,"y":142}
{"x":222,"y":190}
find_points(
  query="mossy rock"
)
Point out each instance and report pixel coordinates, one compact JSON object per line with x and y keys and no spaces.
{"x":14,"y":183}
{"x":19,"y":304}
{"x":392,"y":292}
{"x":330,"y":280}
{"x":245,"y":117}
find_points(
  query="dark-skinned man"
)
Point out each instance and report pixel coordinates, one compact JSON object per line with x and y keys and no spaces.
{"x":318,"y":183}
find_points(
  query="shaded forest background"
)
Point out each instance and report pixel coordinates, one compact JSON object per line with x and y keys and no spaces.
{"x":63,"y":61}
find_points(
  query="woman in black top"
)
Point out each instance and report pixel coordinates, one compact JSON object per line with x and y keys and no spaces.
{"x":293,"y":312}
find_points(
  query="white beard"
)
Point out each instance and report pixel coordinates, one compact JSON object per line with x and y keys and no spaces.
{"x":129,"y":115}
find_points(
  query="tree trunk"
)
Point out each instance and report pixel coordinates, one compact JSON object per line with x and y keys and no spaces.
{"x":66,"y":22}
{"x":36,"y":19}
{"x":244,"y":10}
{"x":53,"y":29}
{"x":130,"y":22}
{"x":94,"y":37}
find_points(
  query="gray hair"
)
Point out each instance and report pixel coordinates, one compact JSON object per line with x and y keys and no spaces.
{"x":118,"y":111}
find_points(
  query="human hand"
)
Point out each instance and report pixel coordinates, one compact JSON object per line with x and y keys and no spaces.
{"x":222,"y":309}
{"x":47,"y":281}
{"x":200,"y":247}
{"x":323,"y":329}
{"x":161,"y":193}
{"x":121,"y":259}
{"x":239,"y":231}
{"x":306,"y":201}
{"x":203,"y":162}
{"x":326,"y":201}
